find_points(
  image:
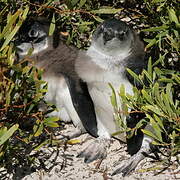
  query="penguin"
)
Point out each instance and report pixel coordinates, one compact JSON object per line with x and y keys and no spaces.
{"x":115,"y":46}
{"x":78,"y":81}
{"x":65,"y":89}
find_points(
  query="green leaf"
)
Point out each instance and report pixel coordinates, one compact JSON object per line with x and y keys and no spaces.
{"x":151,"y":43}
{"x":172,"y":16}
{"x":11,"y":35}
{"x":39,"y":130}
{"x":150,"y":134}
{"x":155,"y":91}
{"x":42,"y":144}
{"x":153,"y":108}
{"x":26,"y":69}
{"x":118,"y":133}
{"x":98,"y":19}
{"x":106,"y":11}
{"x":174,"y":42}
{"x":149,"y":76}
{"x":158,"y":144}
{"x":158,"y":71}
{"x":3,"y":130}
{"x":158,"y":1}
{"x":153,"y":29}
{"x":82,"y":3}
{"x":160,"y":60}
{"x":160,"y":122}
{"x":52,"y":26}
{"x":166,"y":80}
{"x":2,"y":12}
{"x":113,"y":97}
{"x":9,"y":93}
{"x":150,"y":67}
{"x":147,"y":96}
{"x":157,"y":96}
{"x":155,"y":127}
{"x":176,"y":78}
{"x":25,"y":13}
{"x":30,"y":108}
{"x":123,"y":99}
{"x":74,"y":141}
{"x":167,"y":106}
{"x":51,"y":119}
{"x":9,"y":26}
{"x":74,"y":2}
{"x":51,"y":124}
{"x":163,"y":2}
{"x":8,"y":134}
{"x":169,"y":93}
{"x":140,"y":123}
{"x":134,"y":75}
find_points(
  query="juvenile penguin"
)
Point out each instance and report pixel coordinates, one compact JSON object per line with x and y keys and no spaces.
{"x":65,"y":89}
{"x":114,"y":47}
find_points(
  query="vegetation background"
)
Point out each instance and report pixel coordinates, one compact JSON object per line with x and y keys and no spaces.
{"x":24,"y":129}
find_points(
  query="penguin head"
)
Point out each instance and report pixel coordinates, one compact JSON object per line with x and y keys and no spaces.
{"x":32,"y":35}
{"x":113,"y":37}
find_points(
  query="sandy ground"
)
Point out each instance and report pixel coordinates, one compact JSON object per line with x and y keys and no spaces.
{"x":64,"y":165}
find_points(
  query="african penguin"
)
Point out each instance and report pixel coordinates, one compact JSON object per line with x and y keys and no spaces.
{"x":65,"y":89}
{"x":114,"y":47}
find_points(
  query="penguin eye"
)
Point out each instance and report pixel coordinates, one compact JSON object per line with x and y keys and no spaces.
{"x":33,"y":33}
{"x":120,"y":35}
{"x":107,"y":35}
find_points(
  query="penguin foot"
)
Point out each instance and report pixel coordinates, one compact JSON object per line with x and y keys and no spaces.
{"x":76,"y":133}
{"x":132,"y":163}
{"x":96,"y":150}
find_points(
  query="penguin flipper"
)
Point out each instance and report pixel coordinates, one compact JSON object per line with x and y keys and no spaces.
{"x":135,"y":142}
{"x":83,"y":104}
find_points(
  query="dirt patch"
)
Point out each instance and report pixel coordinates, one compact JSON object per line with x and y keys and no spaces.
{"x":62,"y":164}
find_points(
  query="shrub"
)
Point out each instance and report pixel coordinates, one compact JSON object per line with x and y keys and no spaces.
{"x":23,"y":128}
{"x":159,"y":98}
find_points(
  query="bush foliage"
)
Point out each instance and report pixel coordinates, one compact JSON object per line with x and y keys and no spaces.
{"x":22,"y":125}
{"x":159,"y":98}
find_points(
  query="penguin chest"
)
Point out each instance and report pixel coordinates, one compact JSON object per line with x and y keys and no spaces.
{"x":59,"y":94}
{"x":101,"y":94}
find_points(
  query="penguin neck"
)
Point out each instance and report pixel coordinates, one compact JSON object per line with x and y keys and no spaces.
{"x":107,"y":62}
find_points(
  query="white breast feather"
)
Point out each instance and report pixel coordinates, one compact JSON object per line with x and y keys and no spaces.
{"x":98,"y":72}
{"x":58,"y":93}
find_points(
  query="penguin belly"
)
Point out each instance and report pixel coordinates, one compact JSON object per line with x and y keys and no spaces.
{"x":101,"y":95}
{"x":59,"y":94}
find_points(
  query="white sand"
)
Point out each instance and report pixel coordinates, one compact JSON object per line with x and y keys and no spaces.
{"x":69,"y":167}
{"x":64,"y":165}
